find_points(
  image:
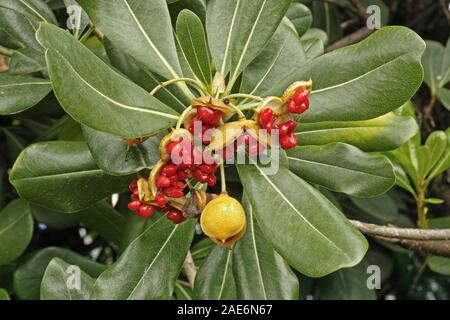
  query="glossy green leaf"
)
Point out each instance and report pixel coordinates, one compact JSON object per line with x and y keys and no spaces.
{"x":343,"y":168}
{"x":439,"y":264}
{"x":288,"y":210}
{"x":59,"y":283}
{"x":117,"y":106}
{"x":383,"y":133}
{"x":105,"y":220}
{"x":201,"y":250}
{"x":300,"y":16}
{"x":192,"y":39}
{"x":346,"y":284}
{"x":4,"y":295}
{"x":444,"y":163}
{"x":381,"y":209}
{"x":214,"y":280}
{"x":260,"y":272}
{"x":112,"y":155}
{"x":171,"y":95}
{"x":196,"y":6}
{"x":436,"y":64}
{"x":389,"y":60}
{"x":313,"y":48}
{"x":28,"y":276}
{"x":63,"y":176}
{"x":283,"y":52}
{"x":149,"y":266}
{"x":145,"y":31}
{"x":18,"y":93}
{"x":33,"y":9}
{"x":16,"y":230}
{"x":326,"y":17}
{"x":53,"y":219}
{"x":314,"y":34}
{"x":26,"y":61}
{"x":238,"y":30}
{"x":437,"y":144}
{"x":444,"y":96}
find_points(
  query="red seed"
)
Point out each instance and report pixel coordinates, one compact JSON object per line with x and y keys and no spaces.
{"x":133,"y":185}
{"x":288,"y":142}
{"x":135,"y":192}
{"x":200,"y":176}
{"x":173,"y":192}
{"x":300,"y":95}
{"x":160,"y":200}
{"x":134,"y":205}
{"x":207,"y":168}
{"x":287,"y":128}
{"x":175,"y":216}
{"x":293,"y":107}
{"x":255,"y":149}
{"x":265,"y":117}
{"x":182,"y":175}
{"x":178,"y":185}
{"x":162,"y":182}
{"x":217,"y":117}
{"x":171,"y":147}
{"x":146,"y":211}
{"x":169,"y":170}
{"x":206,"y":114}
{"x":212,"y":180}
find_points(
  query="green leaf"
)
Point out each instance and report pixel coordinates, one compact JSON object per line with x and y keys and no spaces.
{"x":343,"y":168}
{"x":196,"y":6}
{"x":313,"y":48}
{"x":18,"y":93}
{"x":105,"y":220}
{"x":239,"y":30}
{"x":26,"y":61}
{"x":260,"y":272}
{"x":171,"y":96}
{"x":346,"y":284}
{"x":300,"y":16}
{"x":444,"y":96}
{"x":33,"y":9}
{"x":57,"y":279}
{"x":192,"y":40}
{"x":383,"y":133}
{"x":214,"y":280}
{"x":53,"y":219}
{"x":326,"y":17}
{"x":444,"y":162}
{"x":4,"y":295}
{"x":436,"y":263}
{"x":201,"y":250}
{"x":434,"y":201}
{"x":117,"y":106}
{"x":388,"y":60}
{"x":28,"y":276}
{"x":182,"y":291}
{"x":112,"y":155}
{"x":283,"y":52}
{"x":287,"y":209}
{"x":151,"y":262}
{"x":315,"y":34}
{"x":381,"y":209}
{"x":436,"y":65}
{"x":62,"y":175}
{"x":145,"y":31}
{"x":16,"y":230}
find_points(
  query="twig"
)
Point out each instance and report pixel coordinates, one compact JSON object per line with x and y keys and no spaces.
{"x":445,"y":8}
{"x":416,"y":279}
{"x":438,"y":248}
{"x":190,"y":269}
{"x":428,"y":109}
{"x":426,"y":235}
{"x":356,"y":36}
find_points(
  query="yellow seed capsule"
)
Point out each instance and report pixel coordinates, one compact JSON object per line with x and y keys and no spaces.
{"x":223,"y":220}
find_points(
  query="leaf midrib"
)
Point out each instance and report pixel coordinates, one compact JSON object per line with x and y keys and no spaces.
{"x":12,"y":224}
{"x":299,"y":213}
{"x":339,"y":167}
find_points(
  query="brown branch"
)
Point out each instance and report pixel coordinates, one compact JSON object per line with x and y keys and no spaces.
{"x":428,"y":109}
{"x":439,"y":248}
{"x":356,"y":36}
{"x":190,"y":269}
{"x":402,"y":233}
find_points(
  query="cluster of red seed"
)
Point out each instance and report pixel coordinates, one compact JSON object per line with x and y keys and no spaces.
{"x":145,"y":210}
{"x":297,"y":104}
{"x":209,"y":119}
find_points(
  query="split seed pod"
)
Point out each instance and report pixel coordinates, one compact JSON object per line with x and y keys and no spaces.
{"x":212,"y":103}
{"x":293,"y":87}
{"x":175,"y":135}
